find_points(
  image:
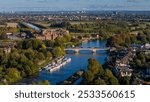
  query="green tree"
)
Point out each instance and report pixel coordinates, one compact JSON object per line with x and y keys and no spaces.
{"x":45,"y":82}
{"x":13,"y":75}
{"x":50,"y":43}
{"x":110,"y":78}
{"x":1,"y":69}
{"x":99,"y":82}
{"x":59,"y":41}
{"x":58,"y":51}
{"x":36,"y":44}
{"x":138,"y":63}
{"x":88,"y":76}
{"x":113,"y":81}
{"x":125,"y":80}
{"x":95,"y":67}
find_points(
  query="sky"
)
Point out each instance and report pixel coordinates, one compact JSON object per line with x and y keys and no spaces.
{"x":57,"y":5}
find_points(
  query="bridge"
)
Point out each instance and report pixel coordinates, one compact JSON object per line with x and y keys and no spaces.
{"x":92,"y":49}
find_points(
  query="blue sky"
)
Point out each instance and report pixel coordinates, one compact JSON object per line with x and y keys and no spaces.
{"x":7,"y":5}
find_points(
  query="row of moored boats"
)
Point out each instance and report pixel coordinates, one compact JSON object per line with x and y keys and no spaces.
{"x":57,"y":64}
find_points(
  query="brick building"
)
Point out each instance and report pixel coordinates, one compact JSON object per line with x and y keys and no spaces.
{"x":51,"y":34}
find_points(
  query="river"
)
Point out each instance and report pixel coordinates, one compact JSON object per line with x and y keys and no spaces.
{"x":79,"y":61}
{"x":32,"y":26}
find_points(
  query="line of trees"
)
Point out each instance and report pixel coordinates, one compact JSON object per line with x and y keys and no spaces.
{"x":97,"y":75}
{"x":127,"y":39}
{"x":104,"y":28}
{"x":28,"y":56}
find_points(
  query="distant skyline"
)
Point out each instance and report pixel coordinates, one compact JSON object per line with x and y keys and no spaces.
{"x":65,"y":5}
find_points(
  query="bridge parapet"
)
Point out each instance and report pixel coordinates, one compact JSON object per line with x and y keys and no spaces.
{"x":94,"y":50}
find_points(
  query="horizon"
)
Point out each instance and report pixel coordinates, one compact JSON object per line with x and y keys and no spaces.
{"x":74,"y":5}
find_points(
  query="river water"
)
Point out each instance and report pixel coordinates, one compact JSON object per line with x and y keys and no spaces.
{"x":79,"y":61}
{"x":32,"y":26}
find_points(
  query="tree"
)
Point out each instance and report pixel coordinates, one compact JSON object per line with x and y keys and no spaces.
{"x":110,"y":78}
{"x":113,"y":81}
{"x":13,"y":60}
{"x":13,"y":75}
{"x":3,"y":36}
{"x":40,"y":56}
{"x":61,"y":25}
{"x":138,"y":63}
{"x":45,"y":82}
{"x":36,"y":44}
{"x":58,"y":51}
{"x":1,"y":69}
{"x":141,"y":57}
{"x":50,"y":43}
{"x":99,"y":82}
{"x":88,"y":76}
{"x":95,"y":67}
{"x":67,"y":38}
{"x":30,"y":54}
{"x":59,"y":41}
{"x":125,"y":80}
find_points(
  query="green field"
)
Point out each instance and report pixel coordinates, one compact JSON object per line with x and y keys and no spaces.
{"x":80,"y":22}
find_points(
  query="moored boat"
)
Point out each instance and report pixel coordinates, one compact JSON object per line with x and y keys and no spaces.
{"x":57,"y":64}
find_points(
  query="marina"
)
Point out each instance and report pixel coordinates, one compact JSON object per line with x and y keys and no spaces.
{"x":57,"y":64}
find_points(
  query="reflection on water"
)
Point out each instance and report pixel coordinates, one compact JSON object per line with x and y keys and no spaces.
{"x":79,"y":61}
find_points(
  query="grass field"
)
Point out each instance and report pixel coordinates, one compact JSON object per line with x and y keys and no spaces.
{"x":80,"y":22}
{"x":44,"y":24}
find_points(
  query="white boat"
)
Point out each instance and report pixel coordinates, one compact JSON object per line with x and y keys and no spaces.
{"x":57,"y":64}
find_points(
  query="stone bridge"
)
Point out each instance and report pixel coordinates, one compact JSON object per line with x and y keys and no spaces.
{"x":93,"y":49}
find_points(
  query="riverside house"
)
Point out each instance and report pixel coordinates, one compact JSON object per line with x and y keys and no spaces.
{"x":122,"y":66}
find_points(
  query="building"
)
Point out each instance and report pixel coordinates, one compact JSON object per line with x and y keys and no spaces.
{"x":147,"y":46}
{"x":12,"y":25}
{"x":95,"y":35}
{"x":125,"y":71}
{"x":7,"y":50}
{"x":122,"y":66}
{"x":2,"y":26}
{"x":51,"y":34}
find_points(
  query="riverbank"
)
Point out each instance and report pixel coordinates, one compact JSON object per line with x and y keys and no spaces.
{"x":72,"y":79}
{"x":79,"y":61}
{"x":71,"y":68}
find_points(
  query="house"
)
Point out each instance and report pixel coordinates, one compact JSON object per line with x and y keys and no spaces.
{"x":125,"y":71}
{"x":95,"y":35}
{"x":122,"y":66}
{"x":2,"y":26}
{"x":134,"y":32}
{"x":147,"y":46}
{"x":7,"y":50}
{"x":11,"y":36}
{"x":23,"y":35}
{"x":12,"y":25}
{"x":3,"y":80}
